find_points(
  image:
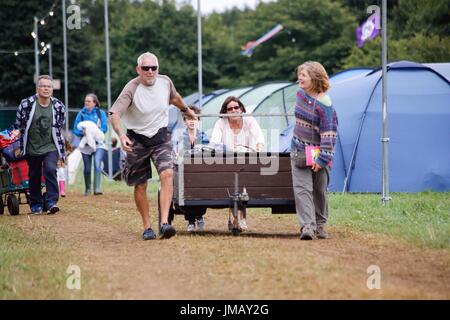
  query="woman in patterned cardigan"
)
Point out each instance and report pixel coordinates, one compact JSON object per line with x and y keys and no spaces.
{"x":316,"y":126}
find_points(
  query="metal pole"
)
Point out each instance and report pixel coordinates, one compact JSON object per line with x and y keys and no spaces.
{"x":66,"y":84}
{"x":36,"y":49}
{"x":199,"y":53}
{"x":108,"y":87}
{"x":226,"y":115}
{"x":50,"y":62}
{"x":384,"y":140}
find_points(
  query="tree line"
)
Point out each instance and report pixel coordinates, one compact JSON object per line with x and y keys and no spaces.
{"x":322,"y":30}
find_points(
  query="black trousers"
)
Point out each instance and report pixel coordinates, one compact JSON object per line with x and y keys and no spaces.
{"x":43,"y":164}
{"x":192,"y":213}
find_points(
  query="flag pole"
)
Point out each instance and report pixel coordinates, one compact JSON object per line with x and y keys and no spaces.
{"x":199,"y":53}
{"x":108,"y":89}
{"x":384,"y":140}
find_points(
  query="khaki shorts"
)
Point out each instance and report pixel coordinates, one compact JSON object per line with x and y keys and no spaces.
{"x":137,"y":169}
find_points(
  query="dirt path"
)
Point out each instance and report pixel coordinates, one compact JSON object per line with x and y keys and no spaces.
{"x":268,"y":263}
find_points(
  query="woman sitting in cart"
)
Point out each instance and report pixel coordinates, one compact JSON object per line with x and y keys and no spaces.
{"x":237,"y":133}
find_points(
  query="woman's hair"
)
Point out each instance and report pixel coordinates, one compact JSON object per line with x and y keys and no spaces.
{"x":228,"y":100}
{"x":318,"y":75}
{"x":94,"y":97}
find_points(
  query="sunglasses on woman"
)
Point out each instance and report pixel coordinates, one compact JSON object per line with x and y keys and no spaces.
{"x":233,"y":108}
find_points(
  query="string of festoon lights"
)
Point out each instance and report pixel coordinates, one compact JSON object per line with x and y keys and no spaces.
{"x":42,"y":21}
{"x":16,"y":52}
{"x":44,"y":46}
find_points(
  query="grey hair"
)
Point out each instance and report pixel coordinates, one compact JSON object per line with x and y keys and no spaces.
{"x":147,"y":54}
{"x":45,"y":76}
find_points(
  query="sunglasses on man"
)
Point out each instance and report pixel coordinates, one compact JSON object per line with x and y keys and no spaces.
{"x":233,"y":108}
{"x":146,"y":68}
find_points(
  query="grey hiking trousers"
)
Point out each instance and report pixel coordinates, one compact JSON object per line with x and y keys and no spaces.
{"x":310,"y":193}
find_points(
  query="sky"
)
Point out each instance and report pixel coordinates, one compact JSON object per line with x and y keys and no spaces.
{"x":208,"y":6}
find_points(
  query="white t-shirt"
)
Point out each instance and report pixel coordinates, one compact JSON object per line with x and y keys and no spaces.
{"x":145,"y":109}
{"x":249,"y":136}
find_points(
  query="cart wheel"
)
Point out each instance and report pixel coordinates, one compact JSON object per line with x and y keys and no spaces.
{"x":2,"y":205}
{"x":234,"y":231}
{"x":13,"y":205}
{"x":44,"y":202}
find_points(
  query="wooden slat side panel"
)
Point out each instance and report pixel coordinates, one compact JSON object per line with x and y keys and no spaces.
{"x":254,"y":193}
{"x":226,"y":179}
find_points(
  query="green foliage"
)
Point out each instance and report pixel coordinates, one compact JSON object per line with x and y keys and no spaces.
{"x":431,"y":17}
{"x":418,"y":48}
{"x":322,"y":30}
{"x":16,"y":25}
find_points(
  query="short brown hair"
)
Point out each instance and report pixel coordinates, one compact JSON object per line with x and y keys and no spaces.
{"x":318,"y":75}
{"x":193,"y":108}
{"x":231,"y":99}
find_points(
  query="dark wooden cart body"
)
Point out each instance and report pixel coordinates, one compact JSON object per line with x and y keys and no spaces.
{"x":209,"y":181}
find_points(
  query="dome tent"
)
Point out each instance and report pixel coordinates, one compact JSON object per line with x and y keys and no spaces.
{"x":418,"y":124}
{"x":418,"y":105}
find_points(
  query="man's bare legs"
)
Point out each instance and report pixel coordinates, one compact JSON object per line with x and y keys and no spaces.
{"x":140,"y":198}
{"x":166,"y":194}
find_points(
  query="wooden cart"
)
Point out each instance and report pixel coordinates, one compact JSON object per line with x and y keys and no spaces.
{"x":218,"y":180}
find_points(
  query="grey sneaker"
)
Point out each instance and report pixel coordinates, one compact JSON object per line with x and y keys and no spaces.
{"x":243,"y":224}
{"x":200,"y":224}
{"x":167,"y":231}
{"x":191,"y":227}
{"x":36,"y":209}
{"x":321,"y":233}
{"x":53,"y":209}
{"x":307,"y":233}
{"x":148,"y":234}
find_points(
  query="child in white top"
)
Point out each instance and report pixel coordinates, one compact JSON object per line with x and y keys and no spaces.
{"x":61,"y":174}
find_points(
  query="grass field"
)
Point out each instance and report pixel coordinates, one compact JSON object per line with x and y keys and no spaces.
{"x":409,"y":239}
{"x":420,"y":218}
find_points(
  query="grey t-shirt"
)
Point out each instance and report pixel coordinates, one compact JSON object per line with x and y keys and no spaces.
{"x":145,"y":109}
{"x":40,"y":139}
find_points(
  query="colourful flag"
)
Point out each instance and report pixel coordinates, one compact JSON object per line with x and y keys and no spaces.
{"x":247,"y":50}
{"x":369,"y":29}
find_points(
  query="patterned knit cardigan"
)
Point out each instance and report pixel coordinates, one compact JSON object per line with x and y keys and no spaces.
{"x":315,"y":124}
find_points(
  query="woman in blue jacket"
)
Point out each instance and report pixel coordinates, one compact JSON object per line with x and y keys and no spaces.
{"x":91,"y":112}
